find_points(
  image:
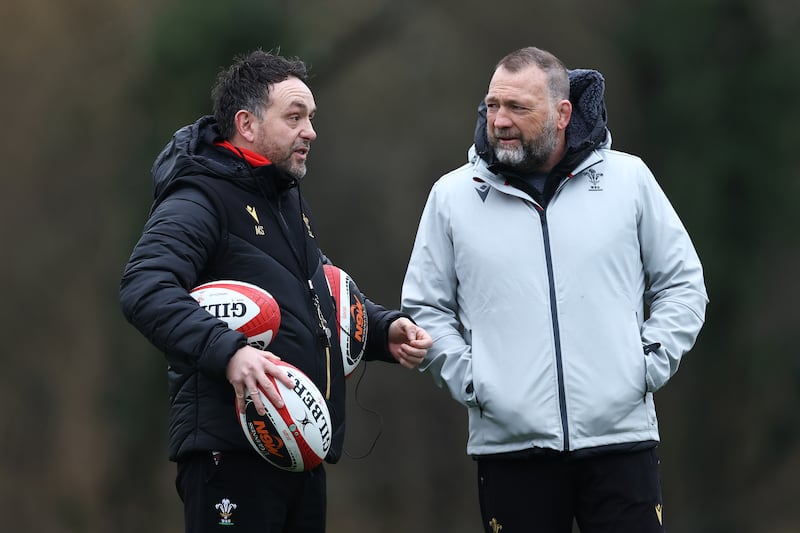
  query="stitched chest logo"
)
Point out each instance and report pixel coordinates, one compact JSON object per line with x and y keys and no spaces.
{"x":482,"y":189}
{"x":259,"y":228}
{"x":594,"y":179}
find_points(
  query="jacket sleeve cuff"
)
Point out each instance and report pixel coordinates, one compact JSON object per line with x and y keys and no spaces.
{"x":219,"y":352}
{"x":378,"y":336}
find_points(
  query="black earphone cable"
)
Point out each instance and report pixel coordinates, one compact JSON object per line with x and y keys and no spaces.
{"x":373,"y":412}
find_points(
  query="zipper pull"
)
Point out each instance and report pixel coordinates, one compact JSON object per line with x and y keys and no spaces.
{"x":323,"y":324}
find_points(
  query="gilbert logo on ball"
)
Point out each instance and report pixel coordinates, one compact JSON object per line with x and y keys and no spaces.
{"x":297,"y":436}
{"x":351,"y":316}
{"x":243,"y":306}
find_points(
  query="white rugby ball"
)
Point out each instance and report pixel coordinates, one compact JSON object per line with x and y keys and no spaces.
{"x":351,"y":316}
{"x":297,"y":436}
{"x":243,"y":306}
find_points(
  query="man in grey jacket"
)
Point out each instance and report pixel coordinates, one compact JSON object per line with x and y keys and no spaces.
{"x":561,"y":290}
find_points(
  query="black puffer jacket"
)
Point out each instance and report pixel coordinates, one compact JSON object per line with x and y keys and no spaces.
{"x":216,"y":217}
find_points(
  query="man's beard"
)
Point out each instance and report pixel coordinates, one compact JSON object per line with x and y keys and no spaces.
{"x":528,"y":156}
{"x":295,"y":169}
{"x":298,"y":172}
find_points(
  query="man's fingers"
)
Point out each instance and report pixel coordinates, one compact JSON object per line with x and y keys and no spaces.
{"x":240,"y":403}
{"x":411,"y":333}
{"x":269,"y":388}
{"x":274,"y":396}
{"x":279,"y":373}
{"x":239,"y":389}
{"x":411,"y":364}
{"x":413,"y":353}
{"x":272,"y":357}
{"x":409,"y":357}
{"x":421,"y":339}
{"x":255,"y":397}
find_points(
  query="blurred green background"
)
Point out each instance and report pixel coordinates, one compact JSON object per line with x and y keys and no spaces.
{"x":704,"y":90}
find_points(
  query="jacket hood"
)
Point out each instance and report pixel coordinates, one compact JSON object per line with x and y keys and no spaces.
{"x":193,"y":151}
{"x":585,"y":132}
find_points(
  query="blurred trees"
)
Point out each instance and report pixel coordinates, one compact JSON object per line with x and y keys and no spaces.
{"x":720,"y":112}
{"x":703,"y":91}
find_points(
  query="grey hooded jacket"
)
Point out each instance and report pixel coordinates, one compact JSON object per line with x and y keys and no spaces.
{"x":555,"y":318}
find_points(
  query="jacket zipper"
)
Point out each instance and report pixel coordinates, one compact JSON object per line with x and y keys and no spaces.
{"x":277,"y":211}
{"x":325,"y":332}
{"x":562,"y":398}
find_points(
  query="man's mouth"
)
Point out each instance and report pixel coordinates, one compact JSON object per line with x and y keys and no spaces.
{"x":505,"y":136}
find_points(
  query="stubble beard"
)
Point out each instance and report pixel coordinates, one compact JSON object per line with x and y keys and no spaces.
{"x":295,"y":169}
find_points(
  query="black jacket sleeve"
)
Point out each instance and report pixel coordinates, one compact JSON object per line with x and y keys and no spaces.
{"x":182,"y":233}
{"x":380,"y":319}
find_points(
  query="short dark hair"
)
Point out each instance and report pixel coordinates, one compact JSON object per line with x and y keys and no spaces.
{"x":554,"y":69}
{"x":246,"y":83}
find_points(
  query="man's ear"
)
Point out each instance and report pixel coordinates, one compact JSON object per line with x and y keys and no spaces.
{"x":245,"y":123}
{"x":564,"y":110}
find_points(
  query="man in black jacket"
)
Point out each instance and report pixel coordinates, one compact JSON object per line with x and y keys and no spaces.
{"x":227,"y":206}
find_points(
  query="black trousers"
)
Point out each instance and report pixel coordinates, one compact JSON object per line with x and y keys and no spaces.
{"x":613,"y":493}
{"x":221,"y":490}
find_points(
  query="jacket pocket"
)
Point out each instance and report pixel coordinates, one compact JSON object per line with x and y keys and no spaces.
{"x":472,"y":400}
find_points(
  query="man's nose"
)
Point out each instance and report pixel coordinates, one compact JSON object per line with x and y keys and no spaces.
{"x":502,"y":119}
{"x":308,"y":133}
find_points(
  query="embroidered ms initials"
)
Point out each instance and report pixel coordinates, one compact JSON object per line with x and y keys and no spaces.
{"x":252,"y":211}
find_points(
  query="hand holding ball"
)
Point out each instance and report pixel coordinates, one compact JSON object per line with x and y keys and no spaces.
{"x":297,"y":436}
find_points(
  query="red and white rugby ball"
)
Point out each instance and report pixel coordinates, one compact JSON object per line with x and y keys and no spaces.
{"x":351,"y":316}
{"x":244,"y":307}
{"x":297,"y":436}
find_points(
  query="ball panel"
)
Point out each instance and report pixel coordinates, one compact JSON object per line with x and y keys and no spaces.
{"x":351,"y":315}
{"x":356,"y":320}
{"x":264,"y":435}
{"x":245,"y":307}
{"x":310,"y":412}
{"x":296,"y":437}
